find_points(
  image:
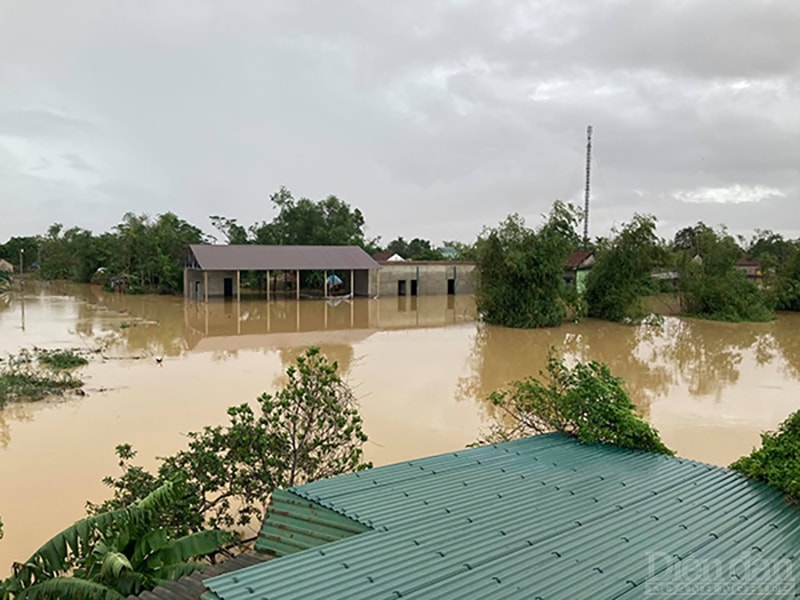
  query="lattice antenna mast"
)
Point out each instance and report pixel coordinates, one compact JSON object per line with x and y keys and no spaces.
{"x":586,"y":190}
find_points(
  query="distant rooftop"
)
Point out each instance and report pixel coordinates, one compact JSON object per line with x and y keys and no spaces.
{"x":576,"y":259}
{"x":280,"y":258}
{"x":542,"y":517}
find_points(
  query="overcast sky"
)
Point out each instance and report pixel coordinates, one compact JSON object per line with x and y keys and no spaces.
{"x":433,"y":117}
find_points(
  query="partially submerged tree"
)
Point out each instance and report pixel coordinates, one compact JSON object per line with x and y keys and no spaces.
{"x":521,"y":271}
{"x":712,"y":287}
{"x":622,"y":273}
{"x":309,"y":429}
{"x":585,"y":401}
{"x":113,"y":554}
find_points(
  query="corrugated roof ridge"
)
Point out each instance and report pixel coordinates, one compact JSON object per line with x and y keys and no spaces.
{"x":344,"y":482}
{"x":490,"y":484}
{"x":618,"y":526}
{"x":706,"y":490}
{"x":374,"y":551}
{"x":524,"y":541}
{"x":356,"y":499}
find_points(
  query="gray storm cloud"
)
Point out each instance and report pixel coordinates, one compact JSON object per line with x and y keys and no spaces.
{"x":435,"y":118}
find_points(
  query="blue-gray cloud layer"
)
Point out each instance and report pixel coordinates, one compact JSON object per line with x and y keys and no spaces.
{"x":435,"y":118}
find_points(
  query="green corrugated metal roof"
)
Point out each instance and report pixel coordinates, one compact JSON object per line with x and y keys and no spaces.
{"x":543,"y":517}
{"x":294,"y":523}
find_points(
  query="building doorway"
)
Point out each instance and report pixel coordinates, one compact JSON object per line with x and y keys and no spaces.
{"x":413,"y":287}
{"x":451,"y":287}
{"x":401,"y":287}
{"x":227,"y":285}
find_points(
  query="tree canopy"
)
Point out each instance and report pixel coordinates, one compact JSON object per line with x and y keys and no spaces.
{"x":416,"y":249}
{"x":585,"y":401}
{"x":623,"y":270}
{"x":309,"y":429}
{"x":521,"y":281}
{"x":777,"y":461}
{"x":712,"y":286}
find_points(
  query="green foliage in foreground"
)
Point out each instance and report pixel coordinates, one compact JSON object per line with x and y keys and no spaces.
{"x":622,"y":274}
{"x":310,"y":429}
{"x":521,"y":271}
{"x":30,"y":376}
{"x":584,"y":401}
{"x":777,"y":462}
{"x":712,"y":287}
{"x":112,"y":554}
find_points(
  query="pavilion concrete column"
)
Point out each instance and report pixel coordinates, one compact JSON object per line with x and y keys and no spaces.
{"x":377,"y":284}
{"x":205,"y":286}
{"x":325,"y":323}
{"x":267,"y":286}
{"x":325,"y":287}
{"x":297,"y":288}
{"x":352,"y":284}
{"x":238,"y":286}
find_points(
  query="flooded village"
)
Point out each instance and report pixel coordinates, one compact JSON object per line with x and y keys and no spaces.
{"x":422,"y":366}
{"x":424,"y":300}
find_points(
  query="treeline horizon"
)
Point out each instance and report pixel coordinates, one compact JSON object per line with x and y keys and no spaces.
{"x":522,"y":272}
{"x":149,"y":251}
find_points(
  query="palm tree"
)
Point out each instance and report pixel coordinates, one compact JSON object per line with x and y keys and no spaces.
{"x":113,"y":554}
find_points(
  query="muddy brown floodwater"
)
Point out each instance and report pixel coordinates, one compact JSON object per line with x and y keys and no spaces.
{"x":422,"y":368}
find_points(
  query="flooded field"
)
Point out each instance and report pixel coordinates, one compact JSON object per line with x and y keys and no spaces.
{"x":422,"y":368}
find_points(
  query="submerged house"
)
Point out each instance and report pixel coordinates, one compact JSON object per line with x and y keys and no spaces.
{"x":577,"y":268}
{"x":542,"y":517}
{"x":751,"y":268}
{"x":215,"y":271}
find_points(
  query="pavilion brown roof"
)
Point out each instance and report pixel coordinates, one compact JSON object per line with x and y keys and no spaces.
{"x":283,"y":258}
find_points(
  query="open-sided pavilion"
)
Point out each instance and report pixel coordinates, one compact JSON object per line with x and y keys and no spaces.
{"x":215,"y":271}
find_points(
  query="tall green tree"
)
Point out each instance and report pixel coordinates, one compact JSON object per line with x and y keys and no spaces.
{"x":26,"y":248}
{"x":521,"y":270}
{"x":622,"y":273}
{"x":710,"y":284}
{"x":330,"y":221}
{"x":230,"y":228}
{"x":780,"y":265}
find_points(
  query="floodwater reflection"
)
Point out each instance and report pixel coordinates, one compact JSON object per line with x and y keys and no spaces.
{"x":500,"y":355}
{"x":422,"y":368}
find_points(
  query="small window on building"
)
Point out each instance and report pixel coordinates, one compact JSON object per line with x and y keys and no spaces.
{"x":451,"y":287}
{"x":413,"y":287}
{"x":401,"y":287}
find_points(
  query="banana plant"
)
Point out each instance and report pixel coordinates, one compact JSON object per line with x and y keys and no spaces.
{"x":111,"y":555}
